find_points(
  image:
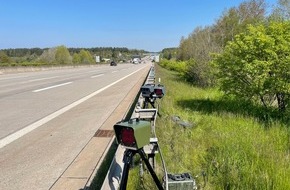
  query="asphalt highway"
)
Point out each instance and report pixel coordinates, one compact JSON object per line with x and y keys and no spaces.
{"x":47,"y":117}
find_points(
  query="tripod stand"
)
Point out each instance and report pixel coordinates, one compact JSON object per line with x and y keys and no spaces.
{"x":149,"y":100}
{"x":127,"y":159}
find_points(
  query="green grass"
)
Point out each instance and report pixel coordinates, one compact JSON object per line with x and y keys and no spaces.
{"x":236,"y":144}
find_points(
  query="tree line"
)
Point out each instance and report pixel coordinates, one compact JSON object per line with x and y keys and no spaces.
{"x":246,"y":52}
{"x":63,"y":55}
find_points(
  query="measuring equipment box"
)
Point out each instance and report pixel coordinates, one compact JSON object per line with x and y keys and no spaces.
{"x":182,"y":181}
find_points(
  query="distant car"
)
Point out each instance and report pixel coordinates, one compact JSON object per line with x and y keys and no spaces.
{"x":136,"y":60}
{"x":113,"y":63}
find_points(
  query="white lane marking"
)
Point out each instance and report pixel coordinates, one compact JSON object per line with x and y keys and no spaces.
{"x":10,"y":138}
{"x":95,"y":76}
{"x":40,"y":79}
{"x":50,"y":87}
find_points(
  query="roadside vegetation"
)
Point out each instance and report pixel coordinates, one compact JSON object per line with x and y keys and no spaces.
{"x":245,"y":54}
{"x":61,"y":55}
{"x":230,"y":143}
{"x":231,"y":82}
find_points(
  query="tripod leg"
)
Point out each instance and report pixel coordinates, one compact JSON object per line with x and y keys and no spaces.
{"x":124,"y":179}
{"x":153,"y":174}
{"x":141,"y":170}
{"x":127,"y":159}
{"x":152,"y":158}
{"x":152,"y":104}
{"x":145,"y":105}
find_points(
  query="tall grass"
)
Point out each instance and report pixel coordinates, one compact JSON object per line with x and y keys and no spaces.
{"x":229,"y":142}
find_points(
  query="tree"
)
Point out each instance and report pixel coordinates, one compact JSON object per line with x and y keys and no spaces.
{"x":169,"y":53}
{"x":85,"y":57}
{"x":236,"y":19}
{"x":48,"y":56}
{"x":196,"y":49}
{"x":76,"y":58}
{"x":256,"y":65}
{"x":62,"y":55}
{"x":281,"y":11}
{"x":204,"y":41}
{"x":4,"y":58}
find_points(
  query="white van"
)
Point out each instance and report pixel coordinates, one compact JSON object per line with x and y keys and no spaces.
{"x":136,"y":60}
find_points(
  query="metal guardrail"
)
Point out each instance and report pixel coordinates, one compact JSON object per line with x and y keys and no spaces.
{"x":142,"y":112}
{"x":114,"y":174}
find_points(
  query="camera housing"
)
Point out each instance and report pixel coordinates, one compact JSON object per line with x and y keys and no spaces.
{"x":152,"y":91}
{"x":133,"y":134}
{"x":147,"y":90}
{"x":159,"y":91}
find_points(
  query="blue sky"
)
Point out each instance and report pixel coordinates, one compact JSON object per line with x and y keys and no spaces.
{"x":136,"y":24}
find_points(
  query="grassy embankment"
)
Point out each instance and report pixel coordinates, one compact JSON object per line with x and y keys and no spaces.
{"x":233,"y":143}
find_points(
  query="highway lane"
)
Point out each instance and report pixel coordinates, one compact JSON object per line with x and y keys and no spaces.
{"x":14,"y":83}
{"x":27,"y":97}
{"x":71,"y":104}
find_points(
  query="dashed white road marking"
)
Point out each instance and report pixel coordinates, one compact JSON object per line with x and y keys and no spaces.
{"x":95,"y":76}
{"x":50,"y":87}
{"x":40,"y":79}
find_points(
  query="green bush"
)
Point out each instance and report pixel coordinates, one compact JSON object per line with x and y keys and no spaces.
{"x":256,"y":65}
{"x":199,"y":74}
{"x":178,"y":66}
